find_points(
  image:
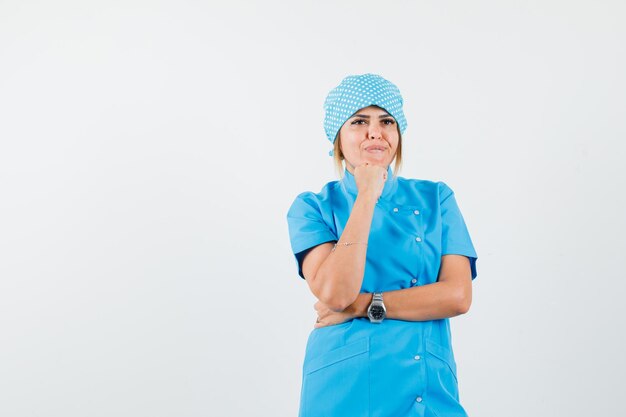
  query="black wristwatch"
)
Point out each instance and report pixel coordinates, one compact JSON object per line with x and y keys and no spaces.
{"x":376,"y":310}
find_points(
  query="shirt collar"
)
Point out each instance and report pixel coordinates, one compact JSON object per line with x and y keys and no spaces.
{"x":349,"y":184}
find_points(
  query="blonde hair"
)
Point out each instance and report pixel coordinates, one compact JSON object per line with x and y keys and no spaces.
{"x":338,"y":157}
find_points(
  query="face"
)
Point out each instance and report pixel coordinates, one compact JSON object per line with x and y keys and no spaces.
{"x":370,"y":135}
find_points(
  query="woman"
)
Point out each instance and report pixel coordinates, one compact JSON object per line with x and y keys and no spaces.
{"x":389,"y":259}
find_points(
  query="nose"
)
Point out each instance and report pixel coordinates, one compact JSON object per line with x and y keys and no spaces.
{"x":374,"y":132}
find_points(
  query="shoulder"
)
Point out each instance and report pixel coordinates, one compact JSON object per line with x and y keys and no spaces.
{"x":309,"y":200}
{"x":435,"y":189}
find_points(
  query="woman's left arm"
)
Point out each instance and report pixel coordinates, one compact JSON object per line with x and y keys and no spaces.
{"x":450,"y":296}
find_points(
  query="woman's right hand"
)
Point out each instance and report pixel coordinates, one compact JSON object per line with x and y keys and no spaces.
{"x":370,"y":179}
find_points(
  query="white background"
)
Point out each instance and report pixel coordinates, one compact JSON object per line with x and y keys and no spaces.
{"x":150,"y":151}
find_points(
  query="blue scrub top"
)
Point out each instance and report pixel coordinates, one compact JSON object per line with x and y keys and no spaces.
{"x":397,"y":367}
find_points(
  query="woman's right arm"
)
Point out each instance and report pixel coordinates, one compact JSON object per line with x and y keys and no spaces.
{"x":335,"y":278}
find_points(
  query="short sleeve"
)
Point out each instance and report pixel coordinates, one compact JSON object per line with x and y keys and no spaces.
{"x":307,"y":227}
{"x":455,"y":237}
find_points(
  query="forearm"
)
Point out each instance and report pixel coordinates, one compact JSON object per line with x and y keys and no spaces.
{"x":340,"y":276}
{"x":427,"y":302}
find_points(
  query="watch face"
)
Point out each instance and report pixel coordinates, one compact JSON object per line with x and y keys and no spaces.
{"x":377,"y":312}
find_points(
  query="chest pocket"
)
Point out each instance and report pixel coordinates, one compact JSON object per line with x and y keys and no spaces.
{"x":406,"y":214}
{"x":406,"y":222}
{"x":407,"y":210}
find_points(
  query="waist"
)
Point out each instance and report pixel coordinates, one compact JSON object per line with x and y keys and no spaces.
{"x":398,"y":332}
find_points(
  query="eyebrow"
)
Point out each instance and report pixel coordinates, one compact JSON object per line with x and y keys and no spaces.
{"x":367,"y":117}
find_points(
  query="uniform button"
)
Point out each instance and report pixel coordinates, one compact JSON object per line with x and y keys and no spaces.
{"x":418,"y":239}
{"x":413,"y":280}
{"x":416,"y":212}
{"x":418,"y":399}
{"x":395,"y":209}
{"x":418,"y":357}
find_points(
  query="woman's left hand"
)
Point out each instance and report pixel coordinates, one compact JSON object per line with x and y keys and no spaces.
{"x":328,"y":317}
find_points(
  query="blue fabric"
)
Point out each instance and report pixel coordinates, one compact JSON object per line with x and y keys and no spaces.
{"x":396,"y":368}
{"x":356,"y":92}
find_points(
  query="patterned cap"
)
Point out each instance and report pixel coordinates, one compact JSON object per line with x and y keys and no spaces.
{"x":356,"y":92}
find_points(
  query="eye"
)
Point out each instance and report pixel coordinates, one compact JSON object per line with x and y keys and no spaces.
{"x":357,"y":121}
{"x":389,"y":121}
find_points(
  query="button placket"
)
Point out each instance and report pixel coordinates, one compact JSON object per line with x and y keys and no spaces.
{"x":418,"y":358}
{"x":414,"y":226}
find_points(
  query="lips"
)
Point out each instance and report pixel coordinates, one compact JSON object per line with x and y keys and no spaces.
{"x":375,"y":148}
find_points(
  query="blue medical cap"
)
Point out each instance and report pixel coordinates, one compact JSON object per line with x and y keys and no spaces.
{"x":356,"y":92}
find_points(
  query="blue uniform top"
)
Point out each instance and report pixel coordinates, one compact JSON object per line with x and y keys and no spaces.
{"x":397,"y":367}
